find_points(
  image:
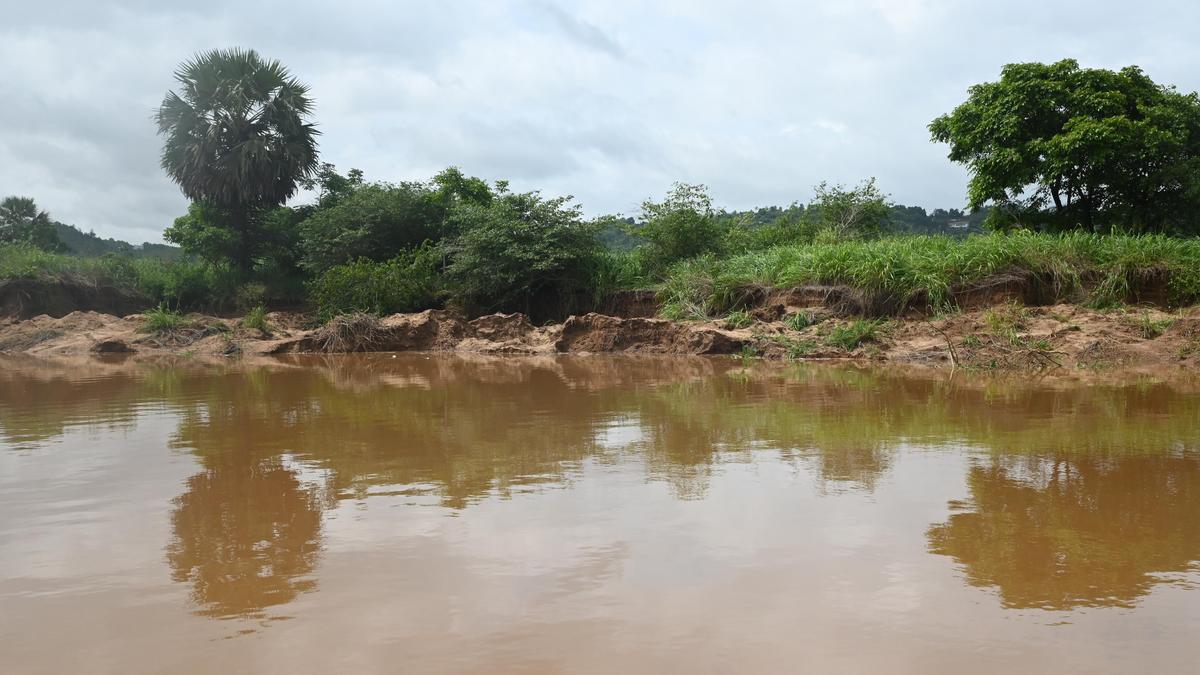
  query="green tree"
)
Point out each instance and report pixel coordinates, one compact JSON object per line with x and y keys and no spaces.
{"x":861,"y":212}
{"x":21,"y":222}
{"x":521,"y":253}
{"x":1059,"y":146}
{"x":237,"y":140}
{"x":376,"y":221}
{"x":684,"y":225}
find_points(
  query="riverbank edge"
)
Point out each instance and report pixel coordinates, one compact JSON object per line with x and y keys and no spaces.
{"x":1005,"y":336}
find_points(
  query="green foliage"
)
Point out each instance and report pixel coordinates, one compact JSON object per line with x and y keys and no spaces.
{"x":256,"y":319}
{"x":851,"y":335}
{"x":374,"y":221}
{"x":163,"y":320}
{"x":21,"y":222}
{"x":237,"y":140}
{"x":738,"y":319}
{"x":801,"y":320}
{"x":897,"y":271}
{"x":1149,"y":327}
{"x":522,"y":252}
{"x":1057,"y":146}
{"x":682,"y":226}
{"x":407,"y":283}
{"x":861,"y":212}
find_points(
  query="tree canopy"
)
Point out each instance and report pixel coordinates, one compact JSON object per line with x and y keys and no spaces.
{"x":1058,"y":146}
{"x":22,"y":222}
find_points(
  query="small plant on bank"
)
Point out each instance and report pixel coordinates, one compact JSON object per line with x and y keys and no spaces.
{"x":973,"y":341}
{"x":256,"y":319}
{"x":163,"y":319}
{"x":738,"y":319}
{"x":1006,"y":321}
{"x":801,"y":320}
{"x":1150,"y":328}
{"x":851,"y":335}
{"x":747,"y":354}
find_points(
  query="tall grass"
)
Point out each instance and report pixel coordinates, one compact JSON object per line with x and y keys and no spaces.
{"x":926,"y":269}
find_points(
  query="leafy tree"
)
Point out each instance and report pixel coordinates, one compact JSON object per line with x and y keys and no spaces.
{"x":521,"y":252}
{"x":1059,"y":146}
{"x":860,"y":212}
{"x":236,"y":141}
{"x":684,"y":225}
{"x":376,"y":222}
{"x":21,"y":222}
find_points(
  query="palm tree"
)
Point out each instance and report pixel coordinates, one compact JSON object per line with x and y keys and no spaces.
{"x":237,"y":138}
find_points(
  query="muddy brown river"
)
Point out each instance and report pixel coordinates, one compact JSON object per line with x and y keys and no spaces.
{"x":460,"y":514}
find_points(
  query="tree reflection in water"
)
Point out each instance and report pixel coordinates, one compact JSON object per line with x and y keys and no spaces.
{"x":246,"y":536}
{"x":1060,"y":532}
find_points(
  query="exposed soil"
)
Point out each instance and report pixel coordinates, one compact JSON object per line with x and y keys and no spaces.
{"x":1007,"y":336}
{"x":27,"y":298}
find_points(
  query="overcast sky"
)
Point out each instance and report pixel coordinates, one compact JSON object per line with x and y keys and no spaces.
{"x":607,"y":100}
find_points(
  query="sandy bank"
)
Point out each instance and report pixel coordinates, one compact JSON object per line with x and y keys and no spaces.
{"x":1002,"y":337}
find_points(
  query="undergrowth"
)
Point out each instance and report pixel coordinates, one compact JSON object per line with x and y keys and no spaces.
{"x":923,"y":271}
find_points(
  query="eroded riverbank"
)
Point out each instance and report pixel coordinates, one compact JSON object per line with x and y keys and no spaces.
{"x":1001,"y":337}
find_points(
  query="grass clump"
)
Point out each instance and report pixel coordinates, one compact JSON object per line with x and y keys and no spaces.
{"x":163,"y":319}
{"x":356,"y":332}
{"x":1005,"y":321}
{"x":256,"y":319}
{"x":1150,"y":328}
{"x":851,"y":335}
{"x":738,"y":319}
{"x":801,"y":320}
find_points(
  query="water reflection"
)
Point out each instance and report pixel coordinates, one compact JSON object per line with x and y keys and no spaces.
{"x":246,"y":537}
{"x":1058,"y":532}
{"x":1078,"y":495}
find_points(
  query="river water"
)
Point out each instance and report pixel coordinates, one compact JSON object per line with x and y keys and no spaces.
{"x":428,"y":514}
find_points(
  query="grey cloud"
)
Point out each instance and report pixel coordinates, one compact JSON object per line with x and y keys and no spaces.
{"x":609,"y":100}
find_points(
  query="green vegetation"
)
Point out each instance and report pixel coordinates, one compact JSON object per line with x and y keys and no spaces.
{"x":1150,"y":327}
{"x":1102,"y":163}
{"x":163,"y":320}
{"x":738,"y":319}
{"x":897,"y":272}
{"x":1056,"y":146}
{"x":853,"y":334}
{"x":238,"y":143}
{"x":409,"y":282}
{"x":256,"y":319}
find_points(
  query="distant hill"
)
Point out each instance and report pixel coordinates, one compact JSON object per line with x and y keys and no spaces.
{"x":88,"y":244}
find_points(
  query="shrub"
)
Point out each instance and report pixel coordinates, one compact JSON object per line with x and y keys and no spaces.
{"x":522,"y":253}
{"x":374,"y":222}
{"x":682,"y":226}
{"x":408,"y":282}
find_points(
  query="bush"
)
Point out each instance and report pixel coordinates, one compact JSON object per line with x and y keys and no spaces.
{"x":524,"y":253}
{"x":408,"y":282}
{"x":375,"y":222}
{"x":682,"y":226}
